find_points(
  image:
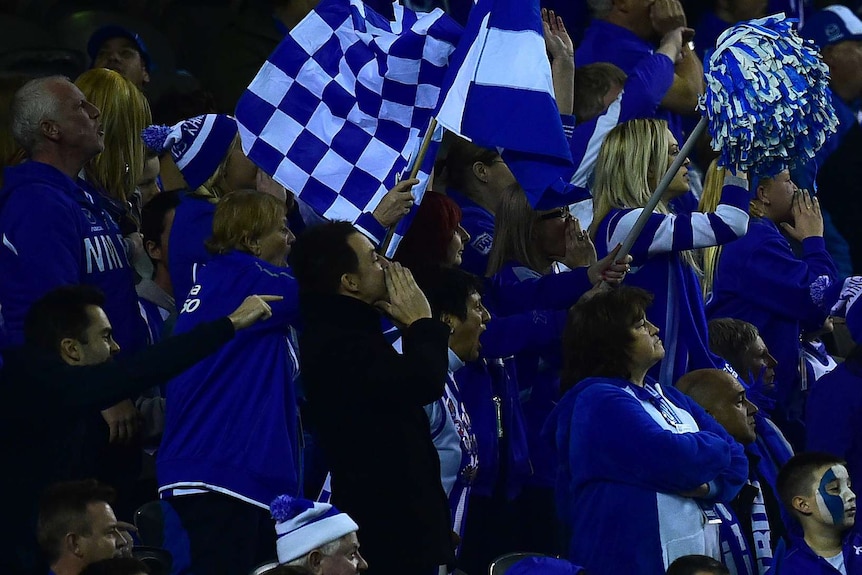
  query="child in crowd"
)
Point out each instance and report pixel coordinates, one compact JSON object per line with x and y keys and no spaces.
{"x":815,"y":488}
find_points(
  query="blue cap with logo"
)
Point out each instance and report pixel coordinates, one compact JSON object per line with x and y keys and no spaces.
{"x":832,"y":25}
{"x":105,"y":33}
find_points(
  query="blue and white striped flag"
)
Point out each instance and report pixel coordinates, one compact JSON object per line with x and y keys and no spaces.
{"x":499,"y":94}
{"x":337,"y":112}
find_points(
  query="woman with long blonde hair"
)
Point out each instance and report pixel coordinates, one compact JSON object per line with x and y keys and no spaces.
{"x":125,"y":111}
{"x":631,"y":162}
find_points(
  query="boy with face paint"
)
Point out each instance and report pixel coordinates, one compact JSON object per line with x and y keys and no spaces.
{"x":815,"y":487}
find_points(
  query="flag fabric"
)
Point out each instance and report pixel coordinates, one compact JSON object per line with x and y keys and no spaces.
{"x":337,"y":112}
{"x":499,"y":94}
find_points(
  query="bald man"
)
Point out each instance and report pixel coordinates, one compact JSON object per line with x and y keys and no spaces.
{"x":751,"y":523}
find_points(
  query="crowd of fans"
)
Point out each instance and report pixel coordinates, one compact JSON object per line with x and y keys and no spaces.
{"x":203,"y":376}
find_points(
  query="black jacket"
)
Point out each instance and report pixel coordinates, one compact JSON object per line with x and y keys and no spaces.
{"x":366,"y":406}
{"x":48,"y":405}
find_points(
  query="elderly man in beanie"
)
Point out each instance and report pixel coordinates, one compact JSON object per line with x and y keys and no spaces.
{"x":316,"y":536}
{"x":122,"y":50}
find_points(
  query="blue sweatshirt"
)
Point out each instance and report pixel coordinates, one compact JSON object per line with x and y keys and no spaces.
{"x":801,"y":560}
{"x":657,"y":267}
{"x":622,"y":464}
{"x":54,"y":232}
{"x":231,"y":421}
{"x":833,"y":413}
{"x":758,"y":279}
{"x":517,"y":289}
{"x":192,"y":227}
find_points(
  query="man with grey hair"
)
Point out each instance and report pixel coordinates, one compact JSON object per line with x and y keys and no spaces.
{"x":54,"y":231}
{"x":624,"y":32}
{"x":316,"y":536}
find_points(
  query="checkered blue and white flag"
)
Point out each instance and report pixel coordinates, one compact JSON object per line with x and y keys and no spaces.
{"x":337,"y":112}
{"x":499,"y":94}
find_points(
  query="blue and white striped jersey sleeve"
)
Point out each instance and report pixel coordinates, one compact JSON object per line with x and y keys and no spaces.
{"x":665,"y":233}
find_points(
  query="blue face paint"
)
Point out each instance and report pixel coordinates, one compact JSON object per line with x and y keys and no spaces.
{"x":833,"y":503}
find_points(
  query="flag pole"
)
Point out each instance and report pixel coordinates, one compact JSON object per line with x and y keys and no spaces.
{"x":662,"y":187}
{"x":417,"y":165}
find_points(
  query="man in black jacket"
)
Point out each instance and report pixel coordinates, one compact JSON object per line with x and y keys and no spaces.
{"x":366,"y":400}
{"x":60,"y":377}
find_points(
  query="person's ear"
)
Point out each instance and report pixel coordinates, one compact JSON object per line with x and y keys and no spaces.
{"x":801,"y":505}
{"x":450,"y":320}
{"x":480,"y":172}
{"x":153,"y":250}
{"x":251,"y":246}
{"x":72,"y":544}
{"x":50,"y":130}
{"x":70,"y":350}
{"x":762,"y":194}
{"x":146,"y":76}
{"x":350,"y":283}
{"x":315,"y":561}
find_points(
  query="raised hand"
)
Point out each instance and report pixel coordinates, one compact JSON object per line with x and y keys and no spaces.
{"x":406,"y":302}
{"x":807,"y":219}
{"x":395,"y":204}
{"x":667,"y":15}
{"x":557,"y":40}
{"x":580,"y":251}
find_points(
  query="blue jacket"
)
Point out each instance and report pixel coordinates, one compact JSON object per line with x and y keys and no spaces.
{"x":621,"y":468}
{"x":192,"y":227}
{"x":657,"y":267}
{"x":758,"y":279}
{"x":517,"y":289}
{"x":54,"y":232}
{"x":833,"y":412}
{"x":801,"y":560}
{"x":231,"y":421}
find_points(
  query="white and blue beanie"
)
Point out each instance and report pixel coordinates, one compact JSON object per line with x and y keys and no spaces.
{"x":197,"y":145}
{"x":303,"y":526}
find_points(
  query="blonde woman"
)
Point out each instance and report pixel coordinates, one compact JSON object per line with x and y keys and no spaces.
{"x":631,"y":162}
{"x":125,"y":112}
{"x":115,"y":172}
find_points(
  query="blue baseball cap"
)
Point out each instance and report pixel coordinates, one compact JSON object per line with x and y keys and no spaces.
{"x":832,"y":25}
{"x":105,"y":33}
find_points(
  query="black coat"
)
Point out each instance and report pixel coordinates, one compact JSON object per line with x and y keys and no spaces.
{"x":366,"y":406}
{"x":48,"y":407}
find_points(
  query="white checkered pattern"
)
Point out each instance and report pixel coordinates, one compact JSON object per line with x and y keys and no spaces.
{"x":336,"y":112}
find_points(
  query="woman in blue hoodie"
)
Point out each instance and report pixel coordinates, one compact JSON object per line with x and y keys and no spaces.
{"x":640,"y":463}
{"x":230,"y":444}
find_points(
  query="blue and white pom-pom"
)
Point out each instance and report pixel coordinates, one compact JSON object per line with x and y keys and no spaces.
{"x":284,"y":507}
{"x":155,"y":137}
{"x":767,"y":97}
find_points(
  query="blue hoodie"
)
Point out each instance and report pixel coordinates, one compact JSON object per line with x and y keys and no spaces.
{"x":833,"y":413}
{"x":54,"y":232}
{"x":801,"y":560}
{"x":232,"y":421}
{"x":658,"y":268}
{"x":621,"y":468}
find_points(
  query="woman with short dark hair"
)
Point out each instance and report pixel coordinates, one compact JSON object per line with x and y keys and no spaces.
{"x":640,"y":463}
